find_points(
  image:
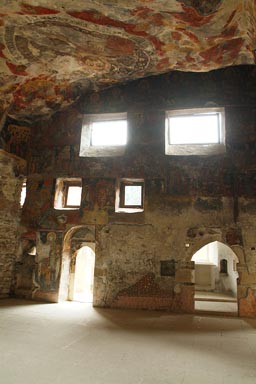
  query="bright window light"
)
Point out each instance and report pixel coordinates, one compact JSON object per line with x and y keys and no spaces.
{"x":109,"y":133}
{"x":195,"y":129}
{"x":74,"y":196}
{"x":23,"y":194}
{"x":104,"y":135}
{"x":130,"y":195}
{"x":68,"y":193}
{"x":133,"y":195}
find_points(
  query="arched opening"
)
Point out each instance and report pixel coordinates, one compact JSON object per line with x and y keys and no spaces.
{"x":84,"y":274}
{"x":77,"y":266}
{"x":216,"y":278}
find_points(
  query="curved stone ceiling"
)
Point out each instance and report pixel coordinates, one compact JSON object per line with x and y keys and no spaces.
{"x":52,"y":52}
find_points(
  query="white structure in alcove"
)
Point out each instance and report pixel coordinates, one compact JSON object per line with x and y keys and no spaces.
{"x":215,"y":269}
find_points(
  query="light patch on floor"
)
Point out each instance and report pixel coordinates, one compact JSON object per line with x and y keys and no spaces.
{"x":72,"y":343}
{"x":215,"y":303}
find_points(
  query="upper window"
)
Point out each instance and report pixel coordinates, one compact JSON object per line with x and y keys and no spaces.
{"x":130,"y":195}
{"x":104,"y":135}
{"x":195,"y":131}
{"x":68,"y":193}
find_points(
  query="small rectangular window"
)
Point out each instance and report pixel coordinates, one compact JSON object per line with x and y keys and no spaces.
{"x":130,"y":195}
{"x":104,"y":135}
{"x":68,"y":193}
{"x":73,"y":197}
{"x":195,"y":131}
{"x":133,"y":195}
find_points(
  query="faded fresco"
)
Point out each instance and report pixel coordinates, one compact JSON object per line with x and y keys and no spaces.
{"x":52,"y":53}
{"x":48,"y":264}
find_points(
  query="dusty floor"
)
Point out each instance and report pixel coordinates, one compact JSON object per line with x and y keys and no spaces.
{"x":74,"y":343}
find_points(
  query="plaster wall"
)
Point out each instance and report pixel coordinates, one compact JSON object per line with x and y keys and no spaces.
{"x":10,"y":189}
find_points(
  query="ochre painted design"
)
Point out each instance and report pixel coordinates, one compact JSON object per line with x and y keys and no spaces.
{"x":51,"y":54}
{"x":203,"y":7}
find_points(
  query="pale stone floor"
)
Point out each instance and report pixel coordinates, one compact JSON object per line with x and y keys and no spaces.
{"x":213,"y":302}
{"x":72,"y":343}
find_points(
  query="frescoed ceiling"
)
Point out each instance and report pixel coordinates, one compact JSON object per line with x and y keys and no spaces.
{"x":52,"y":52}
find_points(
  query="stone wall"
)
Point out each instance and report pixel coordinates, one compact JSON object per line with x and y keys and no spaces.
{"x":10,"y":189}
{"x":189,"y":201}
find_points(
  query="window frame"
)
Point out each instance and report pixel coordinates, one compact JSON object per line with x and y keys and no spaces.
{"x":61,"y":192}
{"x":120,"y":195}
{"x":89,"y":150}
{"x":192,"y":148}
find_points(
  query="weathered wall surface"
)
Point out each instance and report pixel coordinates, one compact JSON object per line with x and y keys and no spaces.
{"x":189,"y":201}
{"x":10,"y":188}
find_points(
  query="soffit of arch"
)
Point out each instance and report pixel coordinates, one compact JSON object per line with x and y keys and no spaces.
{"x":79,"y":234}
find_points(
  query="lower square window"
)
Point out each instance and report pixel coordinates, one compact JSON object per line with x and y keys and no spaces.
{"x":68,"y":193}
{"x":130,"y":195}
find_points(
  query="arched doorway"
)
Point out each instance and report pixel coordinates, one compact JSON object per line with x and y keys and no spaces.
{"x":77,"y":265}
{"x":216,"y":278}
{"x":84,"y":274}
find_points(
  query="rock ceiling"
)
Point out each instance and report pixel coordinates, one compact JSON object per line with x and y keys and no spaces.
{"x":52,"y":52}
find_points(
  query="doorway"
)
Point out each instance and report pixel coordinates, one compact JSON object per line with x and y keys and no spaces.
{"x":77,"y":264}
{"x":84,"y":274}
{"x":216,"y":279}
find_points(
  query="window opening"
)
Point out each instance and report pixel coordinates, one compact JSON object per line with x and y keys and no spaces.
{"x":130,"y":195}
{"x":191,"y":129}
{"x":223,"y":266}
{"x":73,"y":196}
{"x":23,"y":193}
{"x":104,"y":135}
{"x":195,"y":131}
{"x":109,"y":133}
{"x":68,"y":193}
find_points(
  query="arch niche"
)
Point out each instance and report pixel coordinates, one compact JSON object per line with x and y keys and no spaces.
{"x":77,"y":267}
